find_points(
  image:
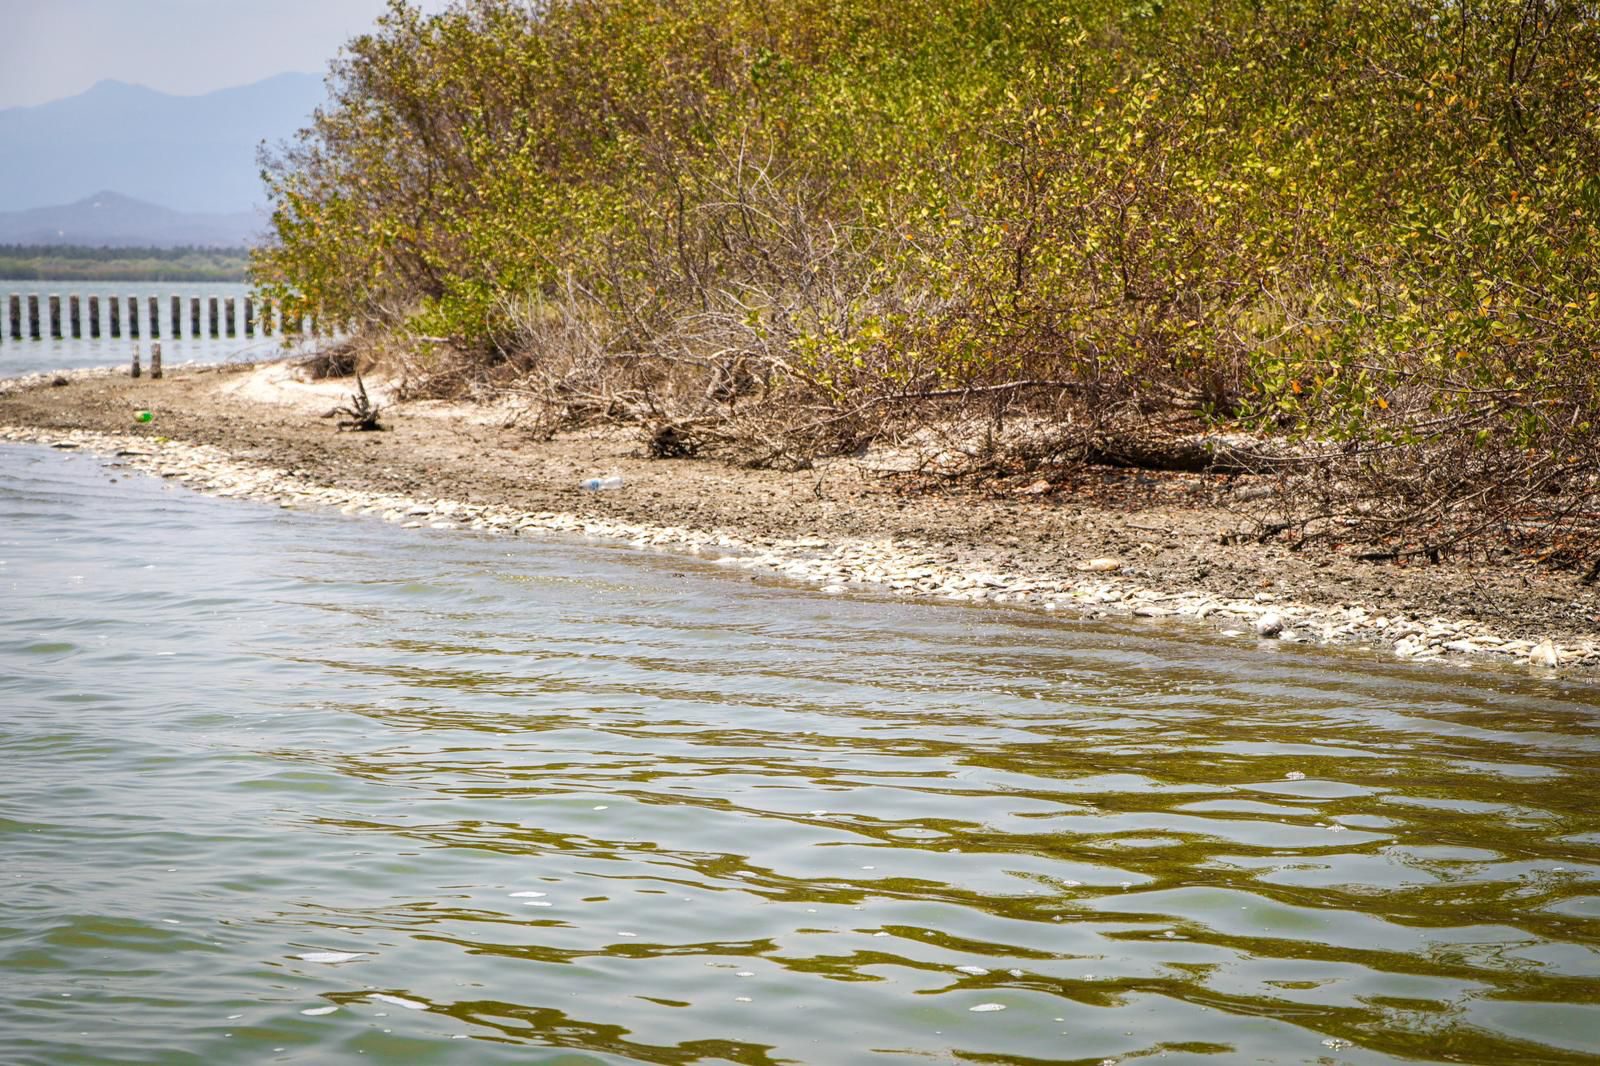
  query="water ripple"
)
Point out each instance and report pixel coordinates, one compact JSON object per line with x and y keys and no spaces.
{"x":325,"y":786}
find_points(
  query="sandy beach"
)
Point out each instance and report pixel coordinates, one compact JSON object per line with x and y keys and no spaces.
{"x":1102,"y":542}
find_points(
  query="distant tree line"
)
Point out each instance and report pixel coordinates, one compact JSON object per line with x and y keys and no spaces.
{"x":108,"y":252}
{"x":51,"y":262}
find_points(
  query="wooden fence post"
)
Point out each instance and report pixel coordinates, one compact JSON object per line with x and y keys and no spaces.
{"x":16,"y":317}
{"x":227,"y":315}
{"x":155,"y":316}
{"x":249,"y":317}
{"x":74,"y":316}
{"x":155,"y":359}
{"x":94,"y":318}
{"x":33,"y":316}
{"x":55,"y":317}
{"x":194,"y":316}
{"x":133,"y":317}
{"x":134,"y":372}
{"x":114,"y":308}
{"x":177,"y":316}
{"x":211,"y":309}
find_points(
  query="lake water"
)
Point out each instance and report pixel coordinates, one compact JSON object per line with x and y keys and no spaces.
{"x":287,"y":787}
{"x":28,"y":356}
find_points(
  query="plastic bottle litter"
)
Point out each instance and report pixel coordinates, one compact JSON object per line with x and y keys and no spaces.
{"x":143,"y":416}
{"x":600,"y":484}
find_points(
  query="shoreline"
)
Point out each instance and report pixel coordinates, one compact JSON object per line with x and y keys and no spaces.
{"x":253,"y":431}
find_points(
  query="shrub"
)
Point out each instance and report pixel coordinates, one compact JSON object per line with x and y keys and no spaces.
{"x":1366,"y":226}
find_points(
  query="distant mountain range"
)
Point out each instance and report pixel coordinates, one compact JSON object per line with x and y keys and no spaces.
{"x":182,"y":166}
{"x":109,"y":219}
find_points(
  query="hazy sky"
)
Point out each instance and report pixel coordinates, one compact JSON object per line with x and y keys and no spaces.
{"x":55,"y":48}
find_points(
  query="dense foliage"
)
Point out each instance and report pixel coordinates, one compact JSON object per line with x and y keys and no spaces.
{"x":1369,"y":224}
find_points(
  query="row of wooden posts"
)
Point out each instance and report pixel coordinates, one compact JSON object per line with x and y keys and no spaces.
{"x":155,"y":360}
{"x":216,"y":326}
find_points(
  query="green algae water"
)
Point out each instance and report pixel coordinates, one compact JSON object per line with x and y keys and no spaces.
{"x":299,"y":788}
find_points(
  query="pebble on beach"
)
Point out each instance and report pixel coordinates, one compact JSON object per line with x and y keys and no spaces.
{"x":898,"y":567}
{"x":1269,"y":624}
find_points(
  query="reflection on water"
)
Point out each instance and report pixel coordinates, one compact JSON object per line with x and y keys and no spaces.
{"x":289,"y":788}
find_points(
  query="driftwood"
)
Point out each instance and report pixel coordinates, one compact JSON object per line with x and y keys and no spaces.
{"x":361,"y":413}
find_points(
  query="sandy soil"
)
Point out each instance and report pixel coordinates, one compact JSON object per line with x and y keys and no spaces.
{"x":1170,"y":532}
